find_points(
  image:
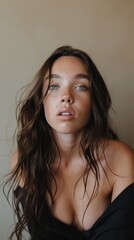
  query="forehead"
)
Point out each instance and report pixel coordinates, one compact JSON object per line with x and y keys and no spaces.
{"x":69,"y":64}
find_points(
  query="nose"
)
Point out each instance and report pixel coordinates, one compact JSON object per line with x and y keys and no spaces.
{"x":67,"y":99}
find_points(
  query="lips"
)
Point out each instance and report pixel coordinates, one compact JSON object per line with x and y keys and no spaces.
{"x":66,"y":113}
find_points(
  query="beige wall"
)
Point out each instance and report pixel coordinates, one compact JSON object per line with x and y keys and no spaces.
{"x":31,"y":29}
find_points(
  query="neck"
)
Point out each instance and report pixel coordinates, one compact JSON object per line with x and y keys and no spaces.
{"x":68,"y":145}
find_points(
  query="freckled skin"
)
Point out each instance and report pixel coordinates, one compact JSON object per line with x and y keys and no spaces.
{"x":69,"y":92}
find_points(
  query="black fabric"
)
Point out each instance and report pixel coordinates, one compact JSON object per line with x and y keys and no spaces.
{"x":116,"y":223}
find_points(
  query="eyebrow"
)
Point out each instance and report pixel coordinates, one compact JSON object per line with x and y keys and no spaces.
{"x":81,"y":75}
{"x":77,"y":76}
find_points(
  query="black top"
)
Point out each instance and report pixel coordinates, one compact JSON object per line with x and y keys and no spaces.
{"x":116,"y":223}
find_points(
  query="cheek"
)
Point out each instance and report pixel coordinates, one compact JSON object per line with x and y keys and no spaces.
{"x":87,"y":106}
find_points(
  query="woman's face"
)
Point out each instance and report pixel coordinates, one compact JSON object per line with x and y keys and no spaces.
{"x":67,"y":105}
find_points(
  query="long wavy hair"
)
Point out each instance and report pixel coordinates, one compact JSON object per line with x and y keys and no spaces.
{"x":37,"y":148}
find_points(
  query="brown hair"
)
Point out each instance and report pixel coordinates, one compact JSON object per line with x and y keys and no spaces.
{"x":37,"y":148}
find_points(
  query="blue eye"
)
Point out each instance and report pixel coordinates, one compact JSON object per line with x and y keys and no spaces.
{"x":82,"y":88}
{"x":53,"y":87}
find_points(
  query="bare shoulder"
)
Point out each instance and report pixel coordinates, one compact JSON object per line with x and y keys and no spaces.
{"x":121,"y":162}
{"x":120,"y":155}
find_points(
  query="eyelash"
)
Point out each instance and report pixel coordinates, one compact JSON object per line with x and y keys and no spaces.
{"x":53,"y":86}
{"x":79,"y":87}
{"x":82,"y":87}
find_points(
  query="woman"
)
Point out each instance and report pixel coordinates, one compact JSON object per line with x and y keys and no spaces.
{"x":71,"y":174}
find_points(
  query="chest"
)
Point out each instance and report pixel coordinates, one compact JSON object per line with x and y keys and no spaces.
{"x":77,"y":201}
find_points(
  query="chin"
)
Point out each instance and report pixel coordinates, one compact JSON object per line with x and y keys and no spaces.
{"x":68,"y":131}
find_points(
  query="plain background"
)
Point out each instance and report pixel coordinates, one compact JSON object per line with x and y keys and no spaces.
{"x":29,"y":32}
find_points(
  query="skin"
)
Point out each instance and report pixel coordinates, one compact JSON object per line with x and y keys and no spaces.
{"x":69,"y":91}
{"x":69,"y":94}
{"x":66,"y":95}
